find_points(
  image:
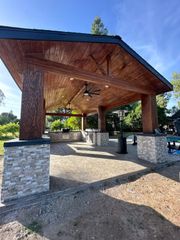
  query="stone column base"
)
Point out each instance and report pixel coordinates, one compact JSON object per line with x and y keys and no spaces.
{"x":26,"y":168}
{"x":102,"y":138}
{"x":152,"y":148}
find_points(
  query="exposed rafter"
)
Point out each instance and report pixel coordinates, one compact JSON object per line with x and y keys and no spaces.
{"x":99,"y":67}
{"x":84,"y":75}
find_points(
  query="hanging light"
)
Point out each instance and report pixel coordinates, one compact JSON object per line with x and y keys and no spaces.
{"x":69,"y":107}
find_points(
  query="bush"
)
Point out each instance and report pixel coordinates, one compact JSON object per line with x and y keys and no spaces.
{"x":2,"y":130}
{"x":12,"y":128}
{"x":56,"y":125}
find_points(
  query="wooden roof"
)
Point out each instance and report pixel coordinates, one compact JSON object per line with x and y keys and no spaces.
{"x":71,"y":59}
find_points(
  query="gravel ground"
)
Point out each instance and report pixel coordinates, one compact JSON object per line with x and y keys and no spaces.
{"x":147,"y":208}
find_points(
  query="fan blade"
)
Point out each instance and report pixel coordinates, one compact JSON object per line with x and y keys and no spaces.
{"x":98,"y":90}
{"x":94,"y":93}
{"x":90,"y":89}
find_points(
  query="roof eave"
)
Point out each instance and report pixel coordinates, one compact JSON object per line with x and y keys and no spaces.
{"x":15,"y":33}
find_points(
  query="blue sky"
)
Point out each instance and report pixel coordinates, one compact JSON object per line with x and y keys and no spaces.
{"x":150,"y":27}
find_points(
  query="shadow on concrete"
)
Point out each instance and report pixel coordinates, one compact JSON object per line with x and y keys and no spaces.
{"x":108,"y":153}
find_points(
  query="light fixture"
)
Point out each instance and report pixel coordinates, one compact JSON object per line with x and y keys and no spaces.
{"x":69,"y":107}
{"x":86,"y":93}
{"x":89,"y":91}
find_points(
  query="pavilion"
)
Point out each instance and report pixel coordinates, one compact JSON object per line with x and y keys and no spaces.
{"x":51,"y":68}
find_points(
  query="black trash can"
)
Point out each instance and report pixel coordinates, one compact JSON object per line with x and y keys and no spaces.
{"x":122,"y":145}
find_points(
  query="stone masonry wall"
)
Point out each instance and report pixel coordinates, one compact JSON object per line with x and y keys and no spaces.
{"x":26,"y":171}
{"x":102,"y":138}
{"x":65,"y":137}
{"x":154,"y":149}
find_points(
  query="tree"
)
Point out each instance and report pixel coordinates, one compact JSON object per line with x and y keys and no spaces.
{"x":7,"y":118}
{"x":133,"y":118}
{"x":162,"y":101}
{"x":73,"y":123}
{"x":176,"y":84}
{"x":2,"y":96}
{"x":92,"y":121}
{"x":98,"y":27}
{"x":10,"y":128}
{"x":56,"y":125}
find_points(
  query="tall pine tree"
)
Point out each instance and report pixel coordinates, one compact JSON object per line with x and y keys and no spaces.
{"x":98,"y":27}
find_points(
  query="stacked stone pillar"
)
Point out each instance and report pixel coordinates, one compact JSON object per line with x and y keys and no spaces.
{"x":151,"y":146}
{"x":26,"y":161}
{"x":102,"y":136}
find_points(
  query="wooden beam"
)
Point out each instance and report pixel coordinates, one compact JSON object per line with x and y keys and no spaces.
{"x":8,"y":62}
{"x":121,"y":102}
{"x":91,"y":114}
{"x":32,"y":105}
{"x":75,"y":95}
{"x":87,"y":76}
{"x":109,"y":62}
{"x":98,"y":65}
{"x":149,"y":113}
{"x":64,"y":114}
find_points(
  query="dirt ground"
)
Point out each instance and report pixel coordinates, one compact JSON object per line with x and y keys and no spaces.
{"x":147,"y":208}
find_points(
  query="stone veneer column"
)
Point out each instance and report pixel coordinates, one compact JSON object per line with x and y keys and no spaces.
{"x":152,"y":148}
{"x":26,"y":168}
{"x":102,"y":138}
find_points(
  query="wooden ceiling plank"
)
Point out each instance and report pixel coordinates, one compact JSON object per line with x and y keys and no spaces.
{"x":99,"y":67}
{"x":86,"y":75}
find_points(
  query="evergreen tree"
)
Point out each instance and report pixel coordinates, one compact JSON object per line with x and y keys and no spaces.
{"x":98,"y":27}
{"x":176,"y":84}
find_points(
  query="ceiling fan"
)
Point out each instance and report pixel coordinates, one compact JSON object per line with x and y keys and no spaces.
{"x":89,"y":91}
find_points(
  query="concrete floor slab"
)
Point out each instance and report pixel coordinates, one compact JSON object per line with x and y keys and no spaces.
{"x":76,"y":163}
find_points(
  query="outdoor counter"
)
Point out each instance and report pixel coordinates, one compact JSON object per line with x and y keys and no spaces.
{"x":65,"y":136}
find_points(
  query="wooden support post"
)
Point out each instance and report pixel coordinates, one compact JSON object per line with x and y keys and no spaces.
{"x":83,"y":122}
{"x":101,"y":119}
{"x":149,"y":113}
{"x":44,"y":120}
{"x":32,"y":106}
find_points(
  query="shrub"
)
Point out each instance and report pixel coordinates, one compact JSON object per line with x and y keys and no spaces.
{"x":2,"y":130}
{"x":56,"y":125}
{"x":12,"y":128}
{"x":73,"y":123}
